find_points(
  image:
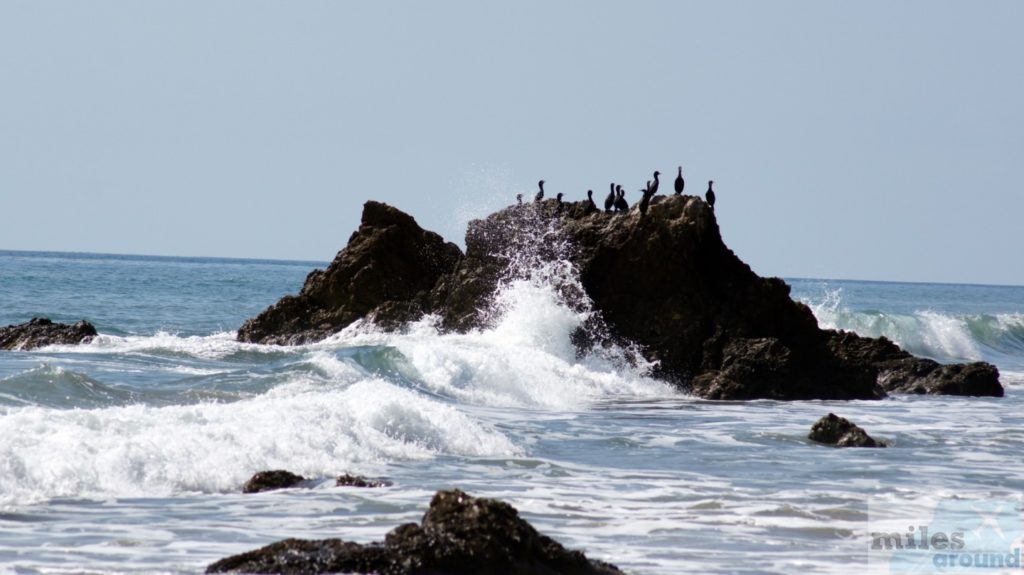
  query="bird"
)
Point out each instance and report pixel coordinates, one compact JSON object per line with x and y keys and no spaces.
{"x":558,"y":206}
{"x":680,"y":182}
{"x":591,"y":206}
{"x":710,"y":195}
{"x":540,"y":194}
{"x":654,"y":189}
{"x":646,"y":200}
{"x":519,"y":199}
{"x":609,"y":202}
{"x":621,"y":205}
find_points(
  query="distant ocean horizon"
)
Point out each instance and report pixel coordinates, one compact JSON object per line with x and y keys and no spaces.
{"x":128,"y":454}
{"x":323,"y":263}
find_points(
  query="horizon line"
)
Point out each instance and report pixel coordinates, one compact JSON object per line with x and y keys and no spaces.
{"x":327,"y":262}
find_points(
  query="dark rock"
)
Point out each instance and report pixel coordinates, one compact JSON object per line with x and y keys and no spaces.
{"x":665,"y":282}
{"x":388,"y":266}
{"x":39,"y":332}
{"x":459,"y":535}
{"x":841,"y":432}
{"x":349,"y":480}
{"x":901,"y":372}
{"x":270,"y":480}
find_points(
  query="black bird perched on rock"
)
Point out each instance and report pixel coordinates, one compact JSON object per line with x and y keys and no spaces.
{"x":680,"y":182}
{"x":540,"y":194}
{"x":591,"y":206}
{"x":609,"y":202}
{"x":519,"y":199}
{"x":646,"y":200}
{"x":558,"y":206}
{"x":710,"y":195}
{"x":621,"y":205}
{"x":654,"y":189}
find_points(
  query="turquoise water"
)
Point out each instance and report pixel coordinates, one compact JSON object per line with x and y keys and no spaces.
{"x":128,"y":454}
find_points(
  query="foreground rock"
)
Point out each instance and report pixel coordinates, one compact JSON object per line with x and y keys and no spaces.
{"x":664,"y":281}
{"x":459,"y":535}
{"x":40,"y":332}
{"x":271,"y":480}
{"x":841,"y":432}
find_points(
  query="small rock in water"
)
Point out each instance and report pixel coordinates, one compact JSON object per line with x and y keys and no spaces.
{"x":459,"y":535}
{"x":349,"y":480}
{"x":841,"y":432}
{"x":271,"y":480}
{"x":40,"y":331}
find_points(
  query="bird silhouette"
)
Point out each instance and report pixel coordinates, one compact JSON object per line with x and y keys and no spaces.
{"x":710,"y":195}
{"x":609,"y":202}
{"x":540,"y":193}
{"x":646,"y":200}
{"x":621,"y":205}
{"x":591,"y":206}
{"x":680,"y":182}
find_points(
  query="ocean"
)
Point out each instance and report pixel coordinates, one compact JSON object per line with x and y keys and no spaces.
{"x":128,"y":454}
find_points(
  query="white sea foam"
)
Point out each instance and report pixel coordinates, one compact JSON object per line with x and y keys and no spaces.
{"x":213,"y":346}
{"x":925,"y":332}
{"x":146,"y":451}
{"x":526,"y":359}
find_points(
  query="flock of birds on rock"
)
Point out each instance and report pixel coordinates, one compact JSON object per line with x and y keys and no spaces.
{"x":616,"y":202}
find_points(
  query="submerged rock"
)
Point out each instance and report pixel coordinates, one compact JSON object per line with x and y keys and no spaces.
{"x":459,"y":535}
{"x":665,"y":282}
{"x":841,"y":432}
{"x":271,"y":480}
{"x":40,"y":332}
{"x":349,"y":480}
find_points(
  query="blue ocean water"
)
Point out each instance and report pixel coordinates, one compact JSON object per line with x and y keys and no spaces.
{"x":128,"y":454}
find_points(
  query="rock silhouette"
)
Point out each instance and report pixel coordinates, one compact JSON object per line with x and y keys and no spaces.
{"x":459,"y":535}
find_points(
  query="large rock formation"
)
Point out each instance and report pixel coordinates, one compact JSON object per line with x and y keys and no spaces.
{"x":664,"y":281}
{"x":388,"y":266}
{"x":39,"y":332}
{"x":459,"y":535}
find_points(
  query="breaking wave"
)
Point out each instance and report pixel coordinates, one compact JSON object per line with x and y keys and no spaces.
{"x":942,"y":336}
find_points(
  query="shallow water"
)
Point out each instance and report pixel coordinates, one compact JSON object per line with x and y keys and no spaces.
{"x":128,"y":454}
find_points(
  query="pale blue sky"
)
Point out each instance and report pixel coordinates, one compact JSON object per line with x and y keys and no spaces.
{"x":866,"y":140}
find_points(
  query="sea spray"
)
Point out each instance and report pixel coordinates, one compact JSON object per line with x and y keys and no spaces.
{"x":306,"y":426}
{"x":526,"y":355}
{"x":943,"y":336}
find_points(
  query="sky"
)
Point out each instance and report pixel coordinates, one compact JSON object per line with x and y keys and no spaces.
{"x":871,"y":140}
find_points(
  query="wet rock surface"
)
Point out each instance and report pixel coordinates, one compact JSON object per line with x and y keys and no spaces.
{"x":901,"y":372}
{"x":271,"y":480}
{"x":664,"y":281}
{"x":349,"y":480}
{"x":387,"y":268}
{"x":841,"y":432}
{"x":459,"y":535}
{"x":40,"y":332}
